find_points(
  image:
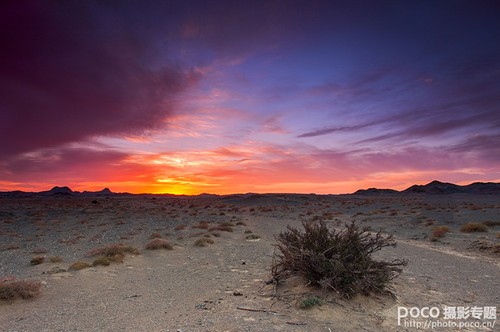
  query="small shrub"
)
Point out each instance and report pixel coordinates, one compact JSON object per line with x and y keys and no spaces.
{"x":472,"y":227}
{"x":241,"y":223}
{"x":106,"y":261}
{"x":202,"y":225}
{"x":309,"y":302}
{"x":203,"y":242}
{"x":337,"y":260}
{"x":490,"y":223}
{"x":439,"y":231}
{"x":113,"y":250}
{"x":102,"y":261}
{"x":248,"y":231}
{"x":180,"y":227}
{"x":79,"y":265}
{"x":37,"y":260}
{"x":155,"y":235}
{"x":252,"y":237}
{"x":55,"y":259}
{"x":222,"y":228}
{"x":24,"y":289}
{"x":158,"y":244}
{"x":215,"y":234}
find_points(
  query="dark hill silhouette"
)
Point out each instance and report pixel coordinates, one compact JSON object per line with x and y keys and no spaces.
{"x":375,"y":191}
{"x":437,"y":188}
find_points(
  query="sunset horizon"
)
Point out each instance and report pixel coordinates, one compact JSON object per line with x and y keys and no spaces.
{"x":237,"y":97}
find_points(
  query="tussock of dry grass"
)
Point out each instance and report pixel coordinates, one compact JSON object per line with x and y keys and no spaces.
{"x":24,"y":289}
{"x":155,"y":235}
{"x":252,"y":237}
{"x":472,"y":227}
{"x":440,"y":231}
{"x":55,"y":259}
{"x":37,"y":260}
{"x":79,"y":265}
{"x":202,"y":225}
{"x":158,"y":244}
{"x":222,"y":228}
{"x":113,"y":250}
{"x":203,"y":242}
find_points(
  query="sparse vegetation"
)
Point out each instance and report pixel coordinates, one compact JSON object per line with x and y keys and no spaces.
{"x":222,"y":228}
{"x":113,"y":250}
{"x":309,"y":302}
{"x":180,"y":227}
{"x":203,"y":242}
{"x":202,"y":225}
{"x":105,"y":261}
{"x":37,"y":260}
{"x":336,"y":260}
{"x":155,"y":235}
{"x":55,"y":259}
{"x":158,"y":244}
{"x":252,"y":237}
{"x":79,"y":265}
{"x":472,"y":227}
{"x":24,"y":289}
{"x":439,"y":231}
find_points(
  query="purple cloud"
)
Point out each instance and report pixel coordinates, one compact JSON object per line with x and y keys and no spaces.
{"x":69,"y":73}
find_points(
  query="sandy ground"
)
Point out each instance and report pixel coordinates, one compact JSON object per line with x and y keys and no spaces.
{"x":222,"y":287}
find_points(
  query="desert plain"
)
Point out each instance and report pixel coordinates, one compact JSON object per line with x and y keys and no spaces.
{"x":222,"y":284}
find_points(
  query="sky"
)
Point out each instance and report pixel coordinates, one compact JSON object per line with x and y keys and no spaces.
{"x":190,"y":97}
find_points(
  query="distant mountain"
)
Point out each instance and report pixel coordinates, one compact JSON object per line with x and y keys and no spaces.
{"x":104,"y":192}
{"x":375,"y":191}
{"x":58,"y":191}
{"x":437,"y":187}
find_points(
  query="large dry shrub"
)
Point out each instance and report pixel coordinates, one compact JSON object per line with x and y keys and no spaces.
{"x":337,"y":260}
{"x":25,"y":289}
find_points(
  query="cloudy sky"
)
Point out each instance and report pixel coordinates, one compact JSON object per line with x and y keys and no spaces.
{"x":248,"y":96}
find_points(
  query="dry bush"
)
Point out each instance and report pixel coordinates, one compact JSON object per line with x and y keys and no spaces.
{"x":25,"y":289}
{"x":37,"y":260}
{"x":252,"y":237}
{"x":203,"y":242}
{"x":180,"y":227}
{"x":105,"y":261}
{"x":55,"y":259}
{"x":490,"y":223}
{"x":102,"y":261}
{"x":79,"y":265}
{"x":222,"y":228}
{"x":241,"y":223}
{"x":202,"y":225}
{"x":226,"y":223}
{"x":158,"y":244}
{"x":471,"y":227}
{"x":155,"y":235}
{"x":39,"y":251}
{"x":113,"y":250}
{"x":440,"y":231}
{"x":337,"y":260}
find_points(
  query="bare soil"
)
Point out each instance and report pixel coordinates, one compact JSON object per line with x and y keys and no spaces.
{"x":222,"y":286}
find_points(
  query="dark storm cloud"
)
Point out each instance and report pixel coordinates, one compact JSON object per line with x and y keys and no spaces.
{"x":72,"y":70}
